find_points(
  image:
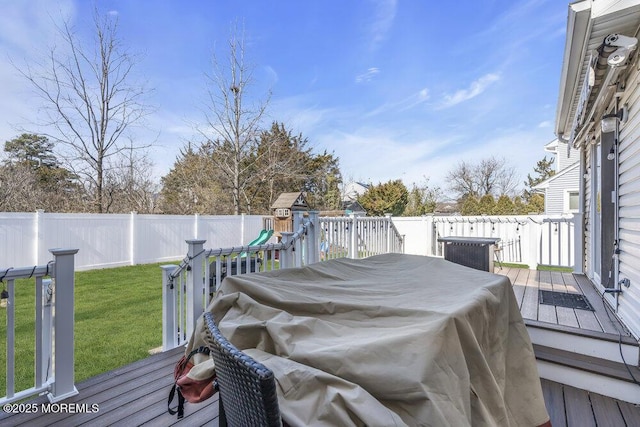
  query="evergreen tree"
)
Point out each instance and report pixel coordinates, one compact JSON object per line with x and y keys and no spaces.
{"x":544,"y":170}
{"x":390,"y":197}
{"x":504,"y":206}
{"x":486,"y":204}
{"x":536,"y":204}
{"x":470,"y":206}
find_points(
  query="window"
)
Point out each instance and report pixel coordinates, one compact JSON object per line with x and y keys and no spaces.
{"x":283,"y":212}
{"x":571,"y":201}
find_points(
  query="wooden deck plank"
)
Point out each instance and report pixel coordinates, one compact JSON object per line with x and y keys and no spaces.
{"x":529,"y":309}
{"x":586,"y":319}
{"x":605,"y":411}
{"x":519,"y":283}
{"x":195,"y":413}
{"x":630,"y":413}
{"x":546,"y":313}
{"x":578,"y":408}
{"x":607,"y":320}
{"x":566,"y":316}
{"x":554,"y":399}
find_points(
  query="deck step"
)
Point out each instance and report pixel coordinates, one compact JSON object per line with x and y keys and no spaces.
{"x":612,"y":347}
{"x":590,"y":373}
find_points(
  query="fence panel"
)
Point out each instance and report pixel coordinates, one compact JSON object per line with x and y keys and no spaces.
{"x":19,"y":239}
{"x":532,"y":240}
{"x":110,"y":240}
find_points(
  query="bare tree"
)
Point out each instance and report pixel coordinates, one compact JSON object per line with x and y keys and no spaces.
{"x":232,"y":126}
{"x":90,"y":99}
{"x":491,"y":176}
{"x":129,"y":185}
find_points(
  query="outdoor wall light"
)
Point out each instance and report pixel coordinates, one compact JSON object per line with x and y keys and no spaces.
{"x":612,"y":153}
{"x":609,"y":121}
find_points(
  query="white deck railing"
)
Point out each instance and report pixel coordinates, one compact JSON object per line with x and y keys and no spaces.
{"x":189,"y":287}
{"x":532,"y":240}
{"x":358,"y":237}
{"x":53,"y":346}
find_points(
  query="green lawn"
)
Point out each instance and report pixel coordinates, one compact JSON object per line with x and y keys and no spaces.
{"x":118,"y":319}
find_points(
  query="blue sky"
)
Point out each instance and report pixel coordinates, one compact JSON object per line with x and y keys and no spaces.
{"x":395,"y":88}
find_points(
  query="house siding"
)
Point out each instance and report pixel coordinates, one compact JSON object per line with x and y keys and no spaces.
{"x":562,"y":159}
{"x":629,"y":205}
{"x":556,"y":193}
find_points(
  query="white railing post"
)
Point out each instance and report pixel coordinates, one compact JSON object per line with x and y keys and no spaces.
{"x":286,"y":259}
{"x":63,"y":386}
{"x":169,"y":321}
{"x":195,"y":285}
{"x":388,"y":227}
{"x":313,"y":238}
{"x":353,"y":236}
{"x":578,"y":242}
{"x":298,"y":247}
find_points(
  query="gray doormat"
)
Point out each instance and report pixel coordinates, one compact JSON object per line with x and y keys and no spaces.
{"x":563,"y":299}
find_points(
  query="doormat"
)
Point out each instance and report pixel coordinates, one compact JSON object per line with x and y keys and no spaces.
{"x":563,"y":299}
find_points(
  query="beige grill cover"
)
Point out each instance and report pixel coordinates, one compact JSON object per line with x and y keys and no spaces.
{"x":388,"y":340}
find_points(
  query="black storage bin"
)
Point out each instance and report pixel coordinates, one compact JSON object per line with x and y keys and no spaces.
{"x":474,"y":252}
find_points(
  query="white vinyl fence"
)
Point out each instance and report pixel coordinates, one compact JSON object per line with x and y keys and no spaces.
{"x":111,"y":240}
{"x":531,"y":240}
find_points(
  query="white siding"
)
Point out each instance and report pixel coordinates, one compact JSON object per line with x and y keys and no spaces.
{"x":556,"y":202}
{"x":564,"y":160}
{"x":629,"y":214}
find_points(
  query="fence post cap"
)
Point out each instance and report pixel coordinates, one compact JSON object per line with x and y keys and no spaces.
{"x":61,"y":251}
{"x":195,"y":241}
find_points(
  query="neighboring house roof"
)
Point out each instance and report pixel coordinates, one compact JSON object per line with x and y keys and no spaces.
{"x":545,"y":184}
{"x":352,"y":190}
{"x":446,"y":208}
{"x":588,"y":23}
{"x":352,"y":207}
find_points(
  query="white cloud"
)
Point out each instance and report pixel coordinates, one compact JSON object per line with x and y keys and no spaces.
{"x":545,"y":124}
{"x":405,"y":104}
{"x":368,"y":75}
{"x":475,"y":88}
{"x":384,"y":15}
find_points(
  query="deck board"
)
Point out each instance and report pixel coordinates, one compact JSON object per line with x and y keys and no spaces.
{"x":606,"y":412}
{"x":567,"y":406}
{"x":527,"y":283}
{"x":554,"y":399}
{"x":578,"y":408}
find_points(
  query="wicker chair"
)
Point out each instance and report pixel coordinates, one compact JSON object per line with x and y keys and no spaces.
{"x":247,"y":388}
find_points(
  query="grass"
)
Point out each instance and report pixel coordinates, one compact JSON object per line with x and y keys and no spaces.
{"x":118,"y":319}
{"x":554,"y":268}
{"x":539,"y":267}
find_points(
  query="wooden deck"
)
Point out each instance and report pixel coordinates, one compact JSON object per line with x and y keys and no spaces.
{"x":137,"y":394}
{"x":527,"y":283}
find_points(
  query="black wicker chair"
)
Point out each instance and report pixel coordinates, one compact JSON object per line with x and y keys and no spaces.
{"x":247,"y":388}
